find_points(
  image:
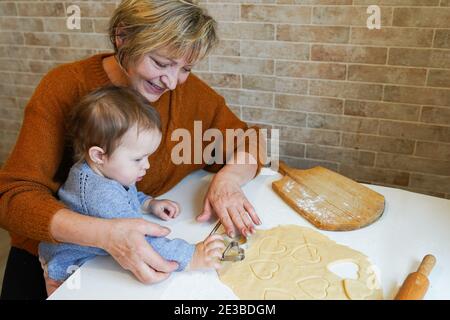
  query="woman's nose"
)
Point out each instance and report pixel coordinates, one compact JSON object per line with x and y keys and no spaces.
{"x":170,"y":79}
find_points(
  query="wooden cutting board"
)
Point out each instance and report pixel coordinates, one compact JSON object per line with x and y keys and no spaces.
{"x":327,"y":199}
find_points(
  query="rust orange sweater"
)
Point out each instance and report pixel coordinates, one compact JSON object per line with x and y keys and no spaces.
{"x":42,"y":157}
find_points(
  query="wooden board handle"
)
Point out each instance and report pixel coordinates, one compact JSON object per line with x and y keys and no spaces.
{"x":284,"y":169}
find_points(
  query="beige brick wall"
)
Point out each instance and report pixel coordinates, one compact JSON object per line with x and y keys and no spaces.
{"x":371,"y":104}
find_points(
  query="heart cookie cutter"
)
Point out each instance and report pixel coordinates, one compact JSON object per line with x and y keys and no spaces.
{"x":233,"y":252}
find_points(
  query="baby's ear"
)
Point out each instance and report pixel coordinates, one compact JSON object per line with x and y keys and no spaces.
{"x":97,"y":155}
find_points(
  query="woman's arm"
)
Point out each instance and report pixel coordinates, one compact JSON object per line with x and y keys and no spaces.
{"x":72,"y":227}
{"x":119,"y":228}
{"x":225,"y":197}
{"x":123,"y":239}
{"x":30,"y":178}
{"x":243,"y":171}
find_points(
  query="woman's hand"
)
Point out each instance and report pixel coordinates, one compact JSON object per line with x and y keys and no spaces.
{"x":125,"y":242}
{"x":164,"y":209}
{"x":226,"y":199}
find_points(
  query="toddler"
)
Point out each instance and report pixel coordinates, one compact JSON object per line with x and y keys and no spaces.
{"x":114,"y":131}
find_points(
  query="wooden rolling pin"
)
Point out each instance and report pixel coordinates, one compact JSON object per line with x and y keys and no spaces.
{"x":416,"y":284}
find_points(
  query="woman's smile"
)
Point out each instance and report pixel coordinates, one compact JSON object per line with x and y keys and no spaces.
{"x":152,"y":88}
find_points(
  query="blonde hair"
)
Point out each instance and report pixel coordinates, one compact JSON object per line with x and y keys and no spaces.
{"x":181,"y":26}
{"x":102,"y":117}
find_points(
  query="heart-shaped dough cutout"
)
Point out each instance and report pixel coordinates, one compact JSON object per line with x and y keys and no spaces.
{"x":356,"y":290}
{"x":316,"y":288}
{"x":306,"y":254}
{"x":264,"y":270}
{"x":271,"y":245}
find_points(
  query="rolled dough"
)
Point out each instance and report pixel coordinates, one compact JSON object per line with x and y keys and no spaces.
{"x":291,"y":262}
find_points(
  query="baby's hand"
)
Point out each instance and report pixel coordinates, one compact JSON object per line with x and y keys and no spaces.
{"x":207,"y":253}
{"x":164,"y":209}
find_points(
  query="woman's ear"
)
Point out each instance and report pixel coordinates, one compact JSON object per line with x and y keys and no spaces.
{"x":119,"y":37}
{"x":97,"y":155}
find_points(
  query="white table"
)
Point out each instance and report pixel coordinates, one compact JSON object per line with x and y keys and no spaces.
{"x":412,"y":226}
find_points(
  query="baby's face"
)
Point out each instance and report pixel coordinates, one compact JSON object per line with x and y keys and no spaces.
{"x":129,"y":161}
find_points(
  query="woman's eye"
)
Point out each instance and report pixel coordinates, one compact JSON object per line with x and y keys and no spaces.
{"x":159,"y":64}
{"x":187,"y":70}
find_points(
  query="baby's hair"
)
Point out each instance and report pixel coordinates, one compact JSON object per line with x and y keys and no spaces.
{"x":103,"y":116}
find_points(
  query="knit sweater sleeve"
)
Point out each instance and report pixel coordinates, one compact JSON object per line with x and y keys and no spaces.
{"x":28,"y":180}
{"x":142,"y":197}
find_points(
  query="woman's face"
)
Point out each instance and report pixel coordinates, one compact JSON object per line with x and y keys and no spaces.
{"x":155,"y":74}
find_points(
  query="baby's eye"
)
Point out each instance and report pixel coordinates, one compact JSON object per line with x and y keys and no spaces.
{"x":137,"y":160}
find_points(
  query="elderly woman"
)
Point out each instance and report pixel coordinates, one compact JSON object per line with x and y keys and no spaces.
{"x":156,"y":44}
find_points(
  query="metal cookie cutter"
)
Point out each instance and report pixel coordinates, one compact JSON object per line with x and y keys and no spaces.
{"x":233,"y":252}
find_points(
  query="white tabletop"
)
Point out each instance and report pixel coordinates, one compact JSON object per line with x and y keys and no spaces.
{"x":412,"y":226}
